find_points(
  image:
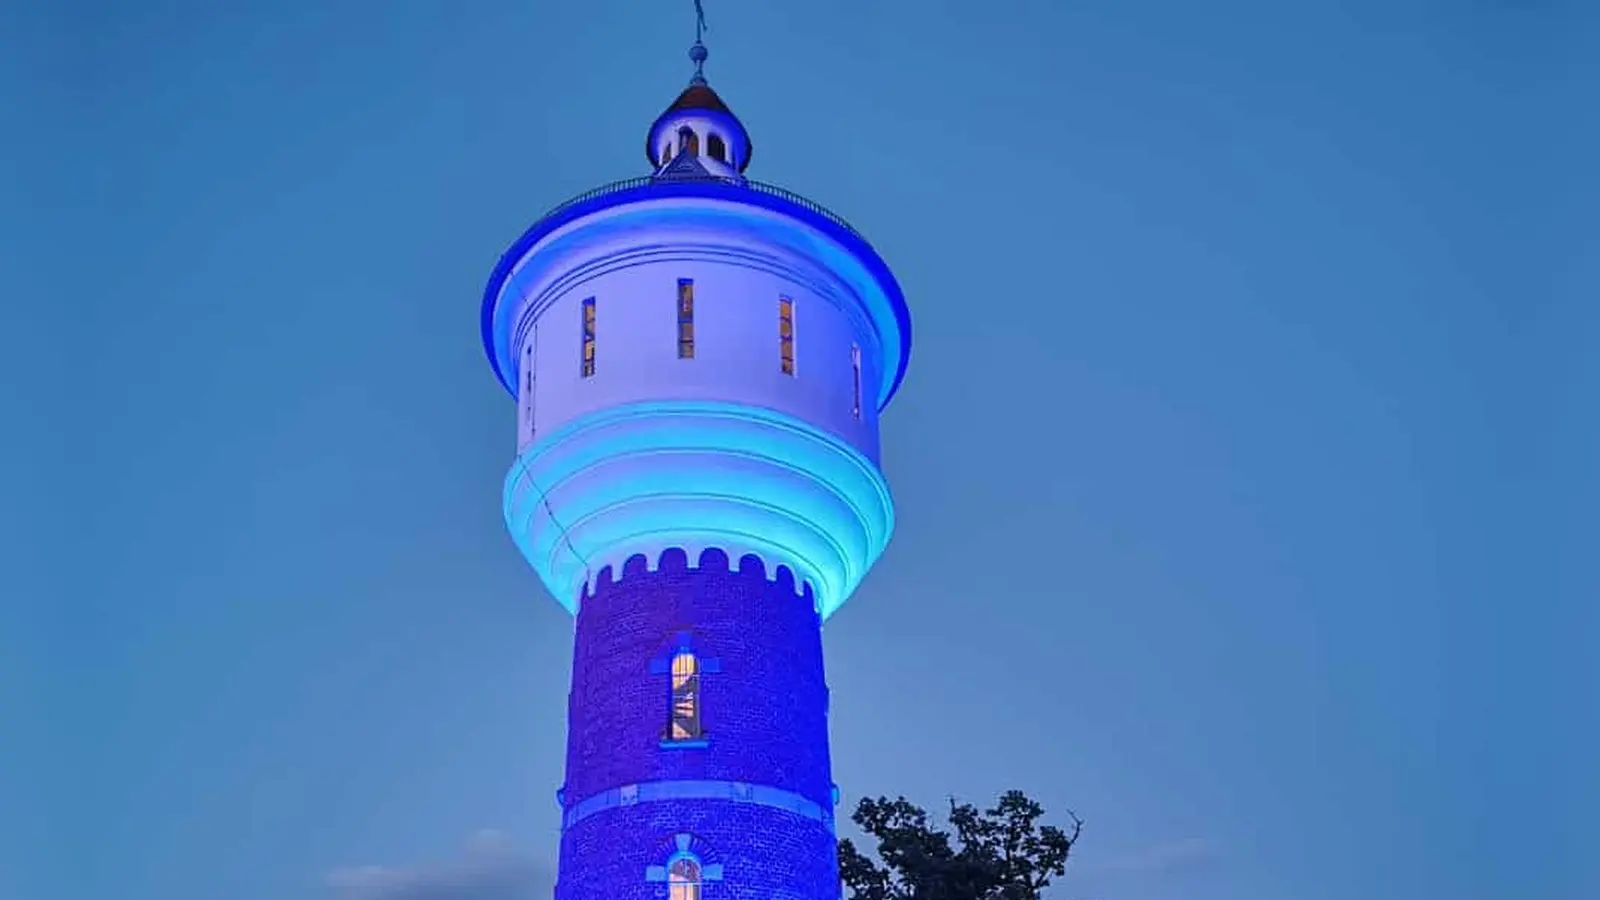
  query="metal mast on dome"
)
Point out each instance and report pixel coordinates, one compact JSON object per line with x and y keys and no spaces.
{"x":697,"y":53}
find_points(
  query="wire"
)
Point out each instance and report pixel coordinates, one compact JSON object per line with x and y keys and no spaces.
{"x":566,"y":534}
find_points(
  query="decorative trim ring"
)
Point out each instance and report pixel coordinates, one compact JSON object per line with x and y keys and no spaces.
{"x":735,"y":791}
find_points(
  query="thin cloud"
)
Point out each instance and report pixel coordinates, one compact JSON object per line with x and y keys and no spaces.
{"x":1163,"y":857}
{"x":491,"y":867}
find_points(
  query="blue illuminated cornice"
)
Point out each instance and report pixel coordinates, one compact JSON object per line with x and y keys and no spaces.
{"x":694,"y":475}
{"x":750,"y":193}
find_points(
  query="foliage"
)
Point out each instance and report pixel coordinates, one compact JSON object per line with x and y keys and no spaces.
{"x":1001,"y":853}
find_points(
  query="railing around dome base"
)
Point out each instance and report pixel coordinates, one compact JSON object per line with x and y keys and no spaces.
{"x":629,"y":184}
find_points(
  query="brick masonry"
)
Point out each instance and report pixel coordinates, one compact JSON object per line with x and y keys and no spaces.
{"x":764,"y":713}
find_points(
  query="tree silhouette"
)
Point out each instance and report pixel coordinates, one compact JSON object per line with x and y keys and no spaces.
{"x":1001,"y":853}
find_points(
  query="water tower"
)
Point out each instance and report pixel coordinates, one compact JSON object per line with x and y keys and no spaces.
{"x":699,"y":361}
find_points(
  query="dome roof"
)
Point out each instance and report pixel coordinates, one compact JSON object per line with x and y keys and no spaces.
{"x":698,"y":97}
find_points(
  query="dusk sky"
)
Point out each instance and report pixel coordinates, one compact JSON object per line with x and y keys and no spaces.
{"x":1244,"y":465}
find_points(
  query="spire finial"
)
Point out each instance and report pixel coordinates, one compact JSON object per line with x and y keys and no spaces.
{"x":697,"y":53}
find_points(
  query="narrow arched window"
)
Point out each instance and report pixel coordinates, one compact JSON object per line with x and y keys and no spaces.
{"x":527,"y":393}
{"x":683,"y":879}
{"x":686,"y":318}
{"x":684,"y":724}
{"x":786,"y":335}
{"x":688,"y":141}
{"x":715,"y":148}
{"x":588,"y":337}
{"x":855,"y":380}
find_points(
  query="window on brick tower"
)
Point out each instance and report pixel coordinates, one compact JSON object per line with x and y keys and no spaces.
{"x":683,"y":879}
{"x":684,"y":723}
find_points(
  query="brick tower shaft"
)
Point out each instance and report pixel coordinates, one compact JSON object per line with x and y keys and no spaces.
{"x":698,"y":715}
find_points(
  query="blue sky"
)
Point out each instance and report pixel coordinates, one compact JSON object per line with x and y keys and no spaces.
{"x":1243,"y":467}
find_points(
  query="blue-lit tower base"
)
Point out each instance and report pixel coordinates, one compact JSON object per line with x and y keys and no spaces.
{"x":699,"y":362}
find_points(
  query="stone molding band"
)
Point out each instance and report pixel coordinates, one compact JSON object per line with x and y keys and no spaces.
{"x":661,"y":791}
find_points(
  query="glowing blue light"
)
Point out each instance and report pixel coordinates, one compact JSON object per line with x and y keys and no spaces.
{"x":645,"y":477}
{"x":885,"y":306}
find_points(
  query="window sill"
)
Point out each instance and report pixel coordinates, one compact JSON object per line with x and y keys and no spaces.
{"x":687,"y":744}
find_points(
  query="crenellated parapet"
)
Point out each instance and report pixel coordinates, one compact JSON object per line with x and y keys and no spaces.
{"x":679,"y":560}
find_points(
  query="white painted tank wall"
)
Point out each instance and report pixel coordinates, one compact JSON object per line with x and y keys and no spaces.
{"x":737,"y":288}
{"x":737,"y":354}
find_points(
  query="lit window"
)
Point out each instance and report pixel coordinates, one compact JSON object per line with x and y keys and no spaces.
{"x":855,"y":380}
{"x":588,"y":337}
{"x":684,"y":724}
{"x":688,"y":141}
{"x":716,"y":149}
{"x":786,"y":334}
{"x":686,"y":318}
{"x":683,"y":879}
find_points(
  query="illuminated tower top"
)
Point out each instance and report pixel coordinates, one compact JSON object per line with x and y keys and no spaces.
{"x":699,"y":361}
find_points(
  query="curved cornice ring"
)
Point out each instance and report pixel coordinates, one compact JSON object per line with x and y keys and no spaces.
{"x":641,"y":478}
